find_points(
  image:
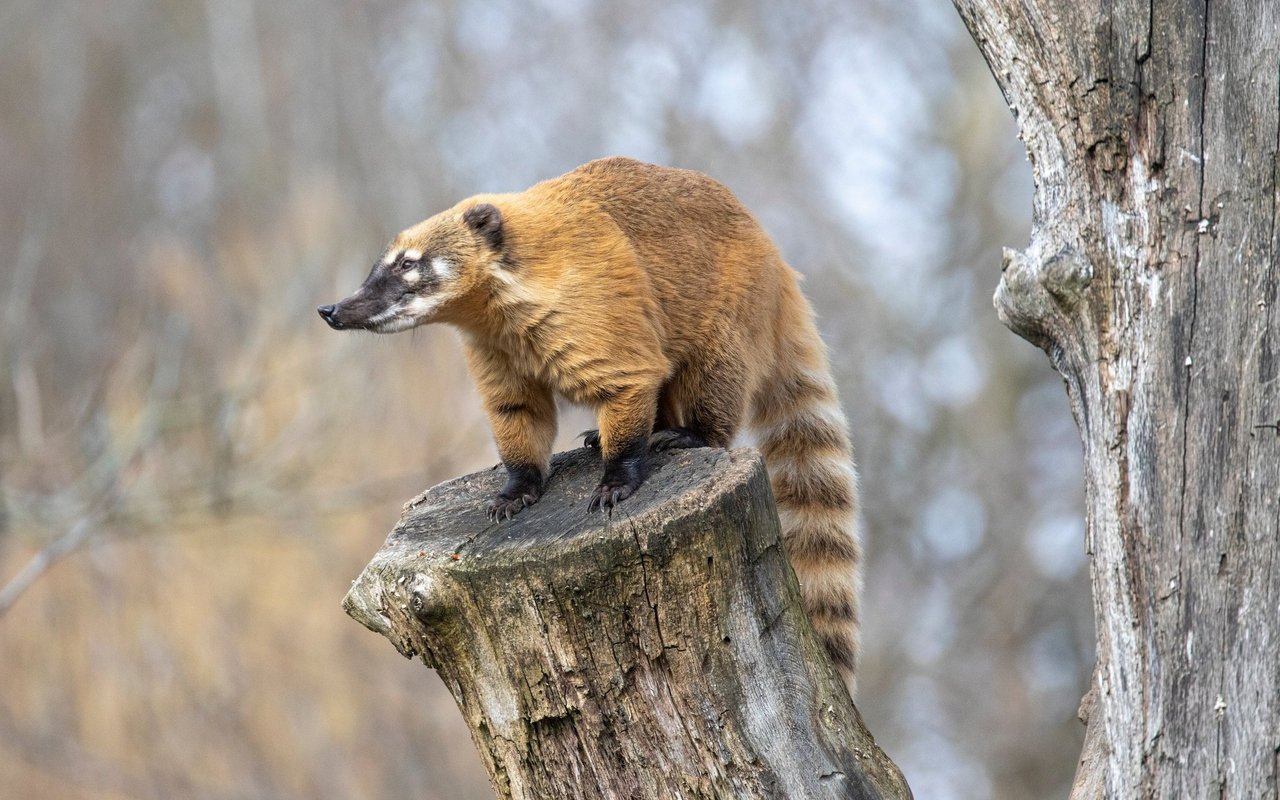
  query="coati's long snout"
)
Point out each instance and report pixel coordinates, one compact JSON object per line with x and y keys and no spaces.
{"x":368,"y":310}
{"x":363,"y":311}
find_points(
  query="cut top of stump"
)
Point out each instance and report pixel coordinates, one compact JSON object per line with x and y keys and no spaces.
{"x":453,"y":513}
{"x":447,"y":527}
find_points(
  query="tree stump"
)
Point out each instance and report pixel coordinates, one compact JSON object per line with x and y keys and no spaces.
{"x":660,"y":652}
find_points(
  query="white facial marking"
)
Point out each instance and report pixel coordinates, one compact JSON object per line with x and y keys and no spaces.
{"x":412,"y":276}
{"x":412,"y":255}
{"x":390,"y":258}
{"x":396,"y":325}
{"x":442,"y":267}
{"x":420,"y":307}
{"x":378,"y":319}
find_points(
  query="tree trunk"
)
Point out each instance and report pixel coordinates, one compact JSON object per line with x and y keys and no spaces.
{"x":1150,"y":281}
{"x":660,"y":653}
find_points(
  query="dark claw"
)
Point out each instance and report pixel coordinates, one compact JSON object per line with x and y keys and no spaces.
{"x":502,"y":507}
{"x":494,"y":510}
{"x":606,"y":497}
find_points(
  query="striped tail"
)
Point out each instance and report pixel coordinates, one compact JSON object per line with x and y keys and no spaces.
{"x":804,"y":437}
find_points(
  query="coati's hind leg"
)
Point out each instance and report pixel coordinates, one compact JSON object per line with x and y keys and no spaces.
{"x":666,"y":419}
{"x":662,"y":438}
{"x":668,"y":432}
{"x":711,"y":400}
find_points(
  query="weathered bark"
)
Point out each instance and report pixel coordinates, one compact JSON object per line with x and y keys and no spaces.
{"x":658,"y":653}
{"x":1150,"y":281}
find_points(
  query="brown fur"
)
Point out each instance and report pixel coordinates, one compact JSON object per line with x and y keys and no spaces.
{"x":653,"y":296}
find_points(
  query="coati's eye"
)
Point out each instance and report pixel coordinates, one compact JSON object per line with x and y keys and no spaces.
{"x":406,"y":263}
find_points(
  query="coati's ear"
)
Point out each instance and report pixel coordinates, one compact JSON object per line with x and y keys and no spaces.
{"x":486,"y":220}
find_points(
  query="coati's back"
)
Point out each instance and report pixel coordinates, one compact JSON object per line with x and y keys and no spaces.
{"x":707,"y":259}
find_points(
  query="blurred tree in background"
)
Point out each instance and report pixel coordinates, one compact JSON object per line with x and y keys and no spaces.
{"x":185,"y":181}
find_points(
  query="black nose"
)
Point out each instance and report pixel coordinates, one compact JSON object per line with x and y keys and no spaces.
{"x":326,"y":313}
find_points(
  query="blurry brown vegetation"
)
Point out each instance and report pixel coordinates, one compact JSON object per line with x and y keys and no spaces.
{"x":185,"y":181}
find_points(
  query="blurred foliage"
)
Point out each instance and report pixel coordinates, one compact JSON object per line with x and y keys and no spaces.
{"x":185,"y":181}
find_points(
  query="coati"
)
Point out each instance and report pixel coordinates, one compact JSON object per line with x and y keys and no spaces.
{"x":652,"y":296}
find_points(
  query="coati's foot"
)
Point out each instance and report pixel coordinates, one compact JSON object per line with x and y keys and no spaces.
{"x":623,"y":474}
{"x":675,"y":439}
{"x":665,"y":439}
{"x":524,"y":487}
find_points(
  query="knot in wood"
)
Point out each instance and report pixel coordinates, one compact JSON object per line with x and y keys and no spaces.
{"x":1066,"y":274}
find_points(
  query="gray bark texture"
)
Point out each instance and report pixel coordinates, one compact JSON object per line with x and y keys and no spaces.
{"x":661,"y":652}
{"x":1150,"y":280}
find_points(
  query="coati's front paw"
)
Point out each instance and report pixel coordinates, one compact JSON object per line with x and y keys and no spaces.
{"x":524,"y":487}
{"x":622,"y":476}
{"x":504,"y":507}
{"x":675,"y":439}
